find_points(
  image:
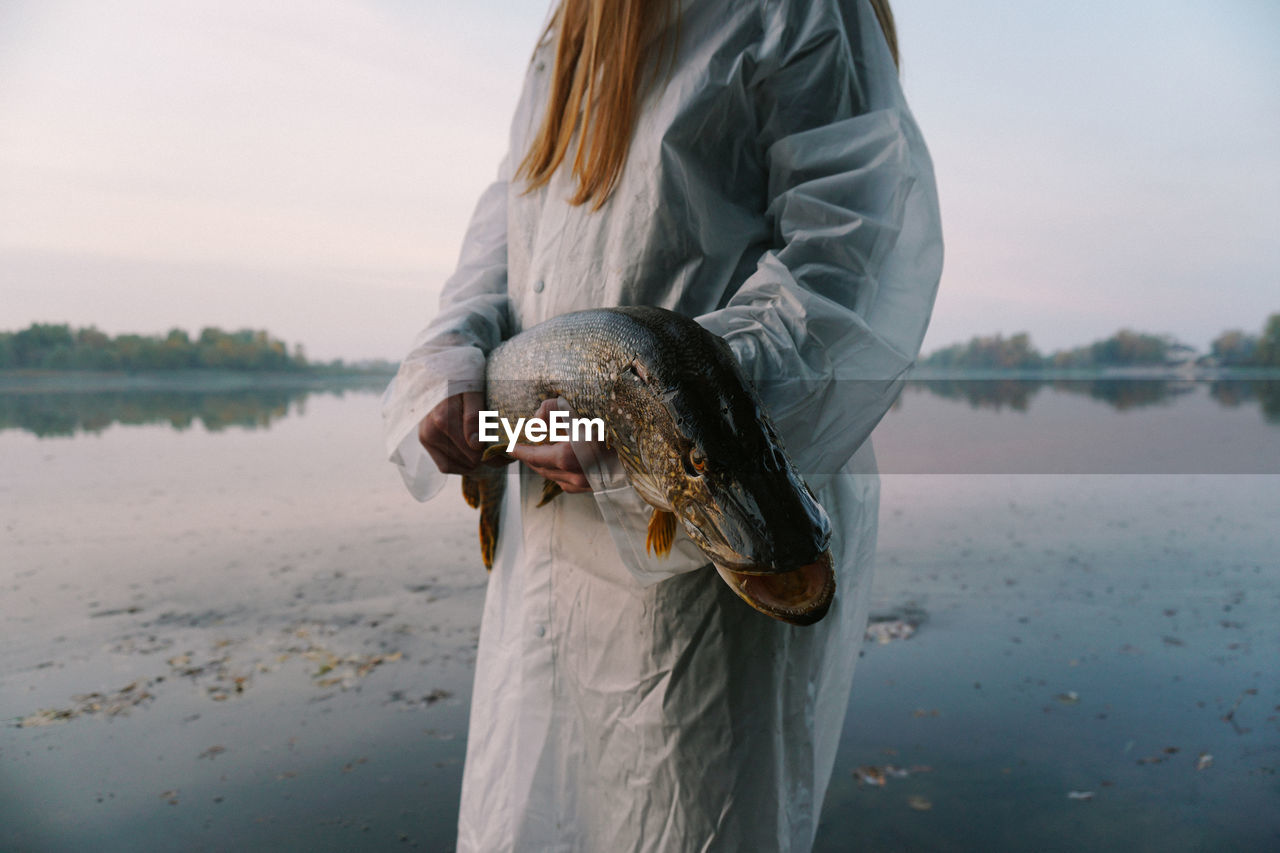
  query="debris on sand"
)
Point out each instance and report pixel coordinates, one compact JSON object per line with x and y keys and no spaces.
{"x":227,"y":671}
{"x":869,"y":775}
{"x":1204,"y":762}
{"x":890,"y":630}
{"x":1162,"y":755}
{"x":919,"y":803}
{"x":1080,"y":795}
{"x":334,"y":670}
{"x":875,"y":775}
{"x":900,"y":624}
{"x":399,"y":697}
{"x":112,"y":704}
{"x":225,"y":682}
{"x":1230,"y":716}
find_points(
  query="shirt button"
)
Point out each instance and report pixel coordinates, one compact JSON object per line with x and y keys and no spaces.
{"x":540,"y":631}
{"x":538,"y":286}
{"x":540,"y":66}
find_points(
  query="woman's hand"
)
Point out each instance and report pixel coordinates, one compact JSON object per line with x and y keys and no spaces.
{"x":555,"y":461}
{"x":451,"y":433}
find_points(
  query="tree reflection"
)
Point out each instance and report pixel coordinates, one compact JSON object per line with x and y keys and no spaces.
{"x":1269,"y":396}
{"x":1126,"y":394}
{"x":66,"y":413}
{"x":997,"y":393}
{"x":1233,"y":393}
{"x":994,"y":394}
{"x":63,"y":413}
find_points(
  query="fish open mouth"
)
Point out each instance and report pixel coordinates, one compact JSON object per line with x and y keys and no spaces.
{"x":801,"y":596}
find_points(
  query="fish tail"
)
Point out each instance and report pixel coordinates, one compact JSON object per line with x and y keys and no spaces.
{"x":483,"y":489}
{"x":550,"y":491}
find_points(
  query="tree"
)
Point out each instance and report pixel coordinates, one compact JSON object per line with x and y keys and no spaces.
{"x":59,"y":347}
{"x":1234,"y":348}
{"x":36,"y":344}
{"x":1126,"y":347}
{"x":1267,"y":352}
{"x":995,"y":352}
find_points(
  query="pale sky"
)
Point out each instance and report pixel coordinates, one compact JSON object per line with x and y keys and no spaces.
{"x":308,"y":166}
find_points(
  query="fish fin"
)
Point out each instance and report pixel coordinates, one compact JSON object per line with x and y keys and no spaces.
{"x":471,"y":487}
{"x":550,"y":491}
{"x":483,"y":489}
{"x":662,"y":533}
{"x":492,"y":452}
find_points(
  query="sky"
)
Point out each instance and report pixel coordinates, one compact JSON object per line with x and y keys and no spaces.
{"x":309,"y":166}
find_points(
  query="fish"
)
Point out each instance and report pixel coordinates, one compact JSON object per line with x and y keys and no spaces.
{"x":693,"y":437}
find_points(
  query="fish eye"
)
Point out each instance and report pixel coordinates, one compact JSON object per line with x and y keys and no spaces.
{"x":694,"y":462}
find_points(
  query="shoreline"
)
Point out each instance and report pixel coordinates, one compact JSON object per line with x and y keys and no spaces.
{"x":1049,"y":374}
{"x":25,"y":381}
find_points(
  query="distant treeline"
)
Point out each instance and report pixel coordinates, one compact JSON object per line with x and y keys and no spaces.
{"x":1125,"y":348}
{"x":71,"y":413}
{"x":57,"y":346}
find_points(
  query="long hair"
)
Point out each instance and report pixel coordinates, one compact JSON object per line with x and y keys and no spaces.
{"x":885,"y":16}
{"x":602,"y":50}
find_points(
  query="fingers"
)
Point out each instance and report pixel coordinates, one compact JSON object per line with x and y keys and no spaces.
{"x":556,"y":462}
{"x":551,"y":404}
{"x":449,"y":433}
{"x":440,"y":448}
{"x":472,"y":401}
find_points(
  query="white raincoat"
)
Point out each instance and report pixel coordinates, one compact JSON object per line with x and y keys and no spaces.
{"x":778,"y":190}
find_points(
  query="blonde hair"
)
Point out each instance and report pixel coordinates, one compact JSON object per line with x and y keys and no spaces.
{"x":602,"y":49}
{"x":885,"y":16}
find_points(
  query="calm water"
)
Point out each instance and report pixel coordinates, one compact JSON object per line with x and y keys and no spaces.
{"x":227,"y":627}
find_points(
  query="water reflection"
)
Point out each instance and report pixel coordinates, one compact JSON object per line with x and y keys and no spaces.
{"x":59,"y":412}
{"x":1232,"y":393}
{"x":1120,"y":394}
{"x":64,"y":413}
{"x":995,"y":394}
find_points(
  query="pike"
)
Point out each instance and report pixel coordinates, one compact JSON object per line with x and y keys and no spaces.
{"x":693,"y":437}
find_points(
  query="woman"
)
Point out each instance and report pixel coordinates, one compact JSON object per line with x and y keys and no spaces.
{"x":752,"y":165}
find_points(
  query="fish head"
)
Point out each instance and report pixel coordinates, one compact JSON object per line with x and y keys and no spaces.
{"x":711,"y":454}
{"x":737,"y":492}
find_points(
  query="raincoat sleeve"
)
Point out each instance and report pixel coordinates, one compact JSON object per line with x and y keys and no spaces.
{"x":835,"y":311}
{"x":448,"y":357}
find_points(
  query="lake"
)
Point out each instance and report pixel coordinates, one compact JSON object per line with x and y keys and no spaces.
{"x":227,"y":626}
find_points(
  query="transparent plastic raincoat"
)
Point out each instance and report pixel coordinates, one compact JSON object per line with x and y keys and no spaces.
{"x":778,"y":190}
